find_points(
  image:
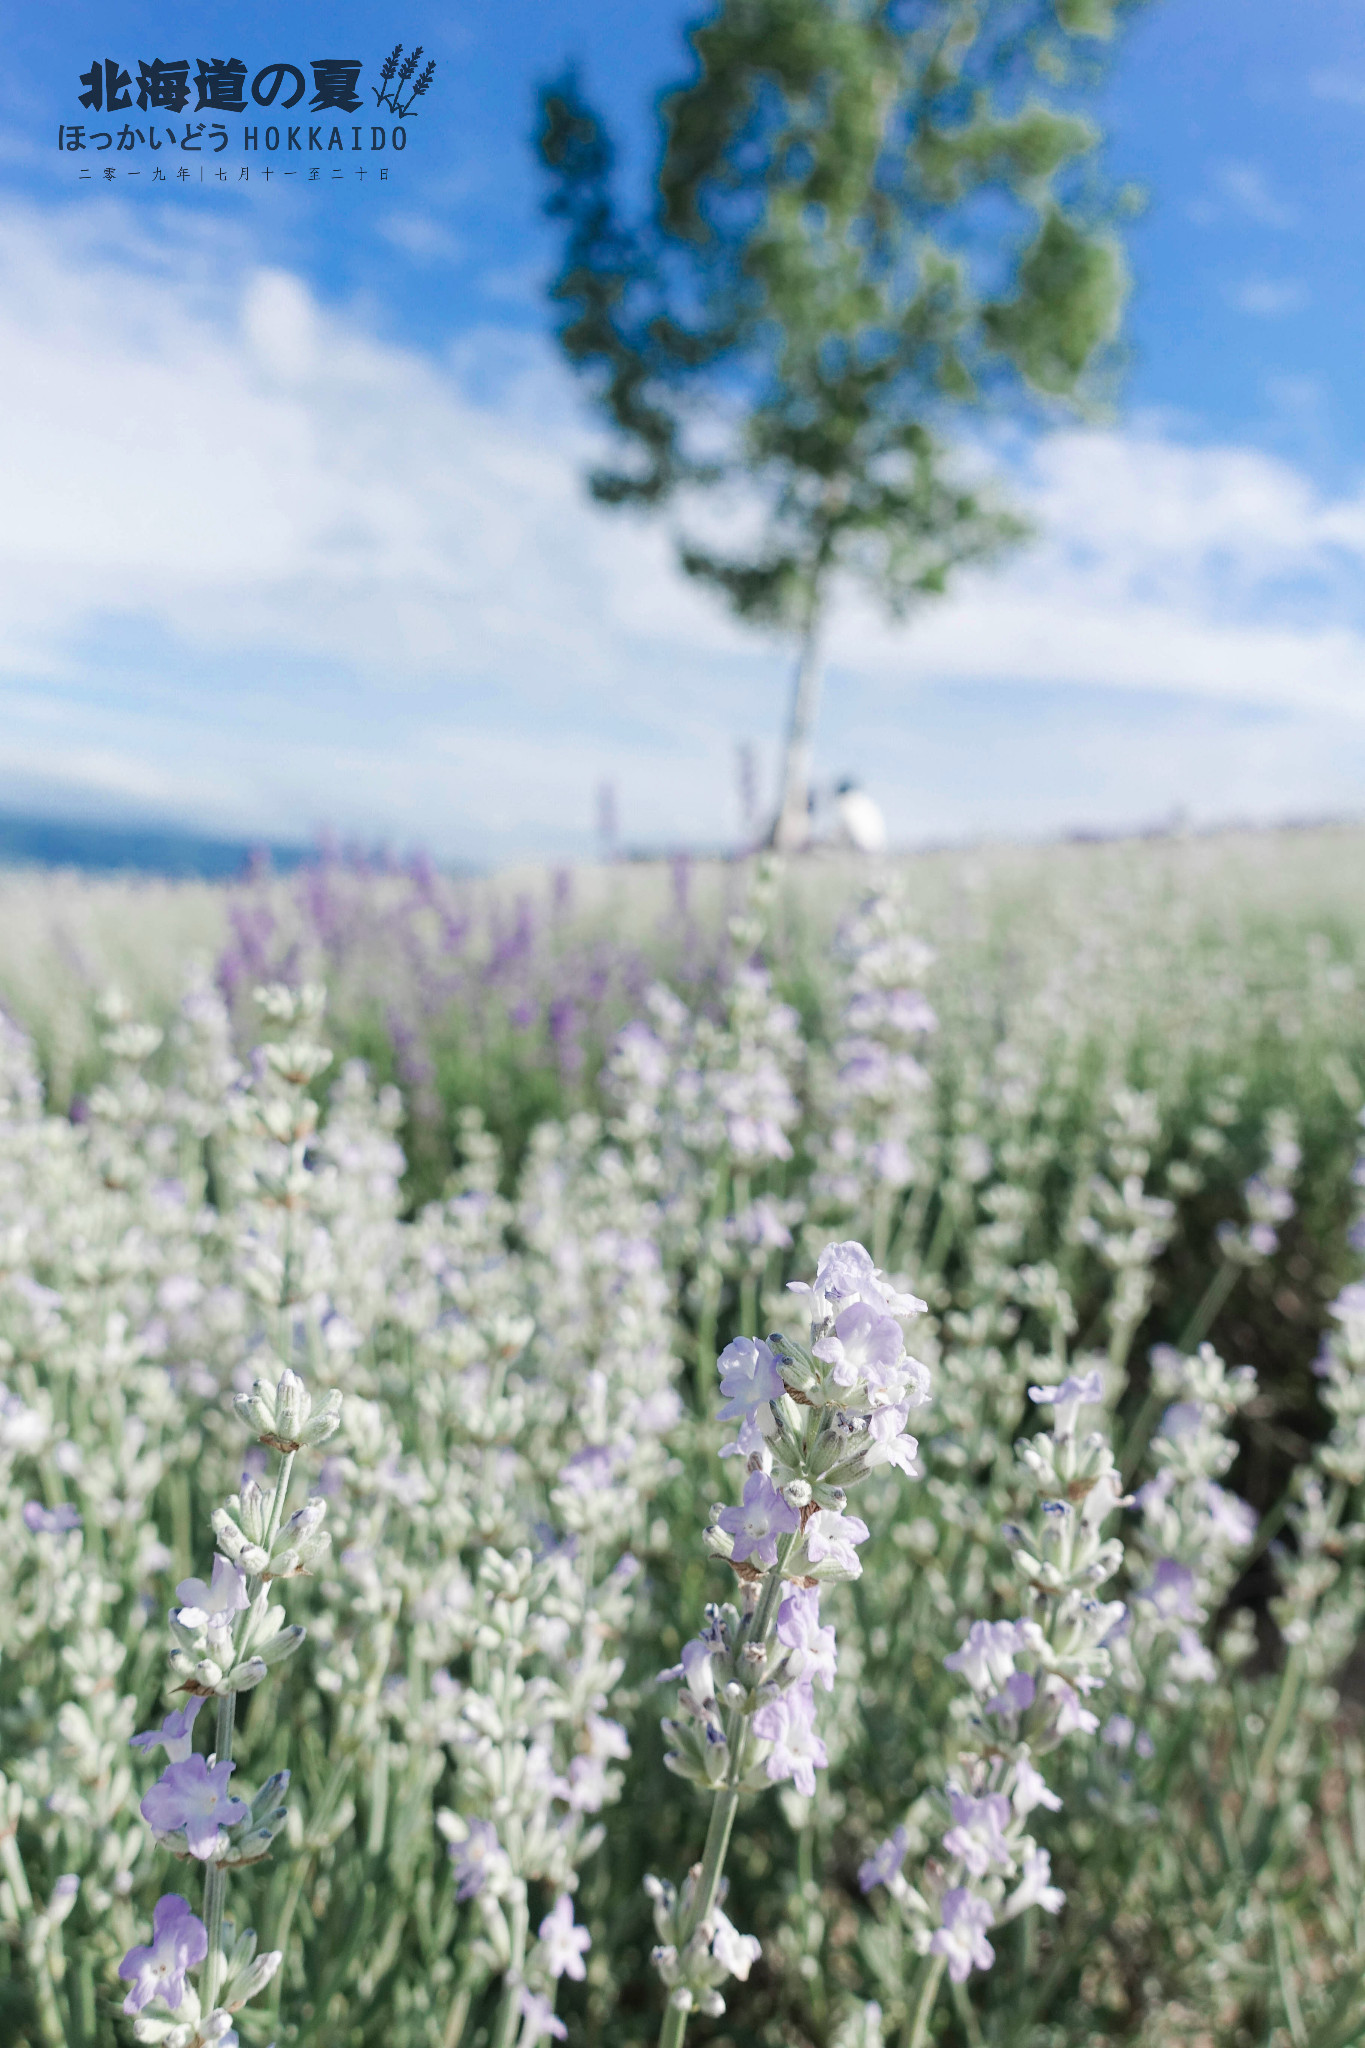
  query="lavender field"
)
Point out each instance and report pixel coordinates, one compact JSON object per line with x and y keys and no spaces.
{"x":728,"y":1453}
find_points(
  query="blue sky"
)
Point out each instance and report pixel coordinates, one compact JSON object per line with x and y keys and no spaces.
{"x":293,"y":535}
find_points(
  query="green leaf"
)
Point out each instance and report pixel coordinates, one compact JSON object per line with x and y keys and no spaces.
{"x":1072,"y":287}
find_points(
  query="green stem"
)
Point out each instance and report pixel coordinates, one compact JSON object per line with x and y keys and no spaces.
{"x":706,"y":1341}
{"x":748,"y":1303}
{"x":215,"y":1877}
{"x":50,"y":2020}
{"x":45,"y":1997}
{"x":725,"y":1804}
{"x":945,"y":1230}
{"x":966,"y":2012}
{"x":1262,"y":1790}
{"x":509,"y":2006}
{"x":282,"y":1479}
{"x":674,"y":2027}
{"x":1210,"y":1304}
{"x":15,"y":1872}
{"x":456,"y":2019}
{"x":917,"y":2027}
{"x":1135,"y":1443}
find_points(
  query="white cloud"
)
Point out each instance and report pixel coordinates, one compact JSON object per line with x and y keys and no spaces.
{"x":1248,"y":189}
{"x":259,"y":565}
{"x":1268,"y":296}
{"x":419,"y":236}
{"x":1337,"y":85}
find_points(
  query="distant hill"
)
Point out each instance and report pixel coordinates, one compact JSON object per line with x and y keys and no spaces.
{"x":133,"y":848}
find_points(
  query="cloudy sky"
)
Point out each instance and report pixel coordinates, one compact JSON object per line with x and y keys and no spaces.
{"x":292,"y":537}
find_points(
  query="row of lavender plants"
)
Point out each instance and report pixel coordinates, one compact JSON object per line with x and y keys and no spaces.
{"x":778,"y":1563}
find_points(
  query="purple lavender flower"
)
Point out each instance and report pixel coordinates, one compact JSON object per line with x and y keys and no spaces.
{"x":587,"y":1784}
{"x":749,"y":1378}
{"x":761,"y":1227}
{"x":1171,"y":1591}
{"x":977,"y":1834}
{"x":1192,"y":1663}
{"x":195,"y":1797}
{"x":179,"y":1941}
{"x":986,"y":1659}
{"x":565,"y":1945}
{"x":866,"y":1345}
{"x":788,"y":1722}
{"x":475,"y":1857}
{"x":1015,"y":1695}
{"x":538,"y":2022}
{"x":830,"y":1535}
{"x":1156,"y":1490}
{"x":606,"y":1739}
{"x":749,"y":1440}
{"x":886,"y":1859}
{"x":891,"y":1443}
{"x":798,"y":1628}
{"x":757,"y":1523}
{"x":212,"y":1607}
{"x":845,"y":1273}
{"x":594,"y":1468}
{"x":1068,"y":1399}
{"x":734,"y":1951}
{"x":1349,"y":1306}
{"x":50,"y":1521}
{"x":962,"y":1937}
{"x":175,"y":1735}
{"x":1069,"y":1717}
{"x":1034,"y":1888}
{"x":1234,"y":1521}
{"x":1031,"y":1789}
{"x":694,"y":1670}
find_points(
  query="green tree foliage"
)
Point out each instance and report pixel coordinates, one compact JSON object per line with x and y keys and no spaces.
{"x":872,"y":218}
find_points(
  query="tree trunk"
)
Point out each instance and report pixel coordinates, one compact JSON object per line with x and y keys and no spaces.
{"x":791,"y":829}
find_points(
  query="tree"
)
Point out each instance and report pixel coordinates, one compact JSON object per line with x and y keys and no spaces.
{"x":872,"y":220}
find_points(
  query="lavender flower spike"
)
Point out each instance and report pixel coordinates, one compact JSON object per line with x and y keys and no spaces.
{"x":179,"y":1941}
{"x":818,"y":1416}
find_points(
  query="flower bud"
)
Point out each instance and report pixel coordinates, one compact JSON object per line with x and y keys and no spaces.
{"x":62,"y":1900}
{"x":250,"y":1977}
{"x":279,"y":1646}
{"x":242,"y":1677}
{"x":251,"y":1508}
{"x":257,"y":1409}
{"x":298,"y":1060}
{"x":291,"y":1406}
{"x":324,"y":1421}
